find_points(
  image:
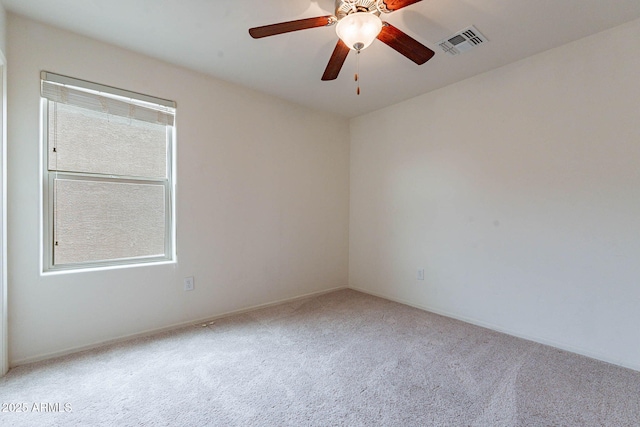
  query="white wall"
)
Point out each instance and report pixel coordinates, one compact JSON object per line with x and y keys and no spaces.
{"x":262,"y":201}
{"x":3,"y":27}
{"x":518,"y":191}
{"x":4,"y":349}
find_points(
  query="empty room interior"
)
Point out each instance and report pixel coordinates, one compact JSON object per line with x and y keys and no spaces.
{"x":269,"y":213}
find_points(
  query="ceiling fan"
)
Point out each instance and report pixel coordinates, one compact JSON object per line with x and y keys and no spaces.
{"x":358,"y":24}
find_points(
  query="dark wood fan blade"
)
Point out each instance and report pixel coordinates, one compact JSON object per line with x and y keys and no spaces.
{"x":407,"y":46}
{"x":398,"y":4}
{"x":337,"y":60}
{"x":287,"y":27}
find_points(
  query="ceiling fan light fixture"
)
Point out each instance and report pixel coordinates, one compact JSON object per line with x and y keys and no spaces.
{"x":359,"y":29}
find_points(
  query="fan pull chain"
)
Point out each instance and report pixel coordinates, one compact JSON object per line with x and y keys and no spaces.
{"x":357,"y":77}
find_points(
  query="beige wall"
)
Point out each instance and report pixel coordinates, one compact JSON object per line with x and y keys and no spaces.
{"x":518,"y":192}
{"x":262,"y":202}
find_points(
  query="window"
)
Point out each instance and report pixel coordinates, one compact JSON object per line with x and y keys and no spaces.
{"x":107,"y":181}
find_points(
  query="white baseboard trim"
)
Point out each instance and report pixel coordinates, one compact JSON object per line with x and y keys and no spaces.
{"x":539,"y":340}
{"x":155,"y":331}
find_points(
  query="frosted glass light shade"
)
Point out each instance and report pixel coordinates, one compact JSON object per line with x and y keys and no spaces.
{"x":358,"y":30}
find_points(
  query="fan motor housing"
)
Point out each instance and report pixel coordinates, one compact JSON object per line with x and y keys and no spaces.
{"x":346,"y":7}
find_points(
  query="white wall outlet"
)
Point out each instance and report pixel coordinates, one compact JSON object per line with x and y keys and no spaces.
{"x":420,"y":275}
{"x":188,"y":283}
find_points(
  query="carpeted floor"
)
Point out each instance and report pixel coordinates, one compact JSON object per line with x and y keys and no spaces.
{"x":340,"y":359}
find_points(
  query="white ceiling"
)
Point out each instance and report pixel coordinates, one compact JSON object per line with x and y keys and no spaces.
{"x":211,"y":36}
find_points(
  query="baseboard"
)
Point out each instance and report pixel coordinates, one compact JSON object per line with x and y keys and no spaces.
{"x":539,"y":340}
{"x":155,"y":331}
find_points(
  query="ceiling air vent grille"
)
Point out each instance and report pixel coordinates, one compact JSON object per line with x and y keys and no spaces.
{"x":462,"y":41}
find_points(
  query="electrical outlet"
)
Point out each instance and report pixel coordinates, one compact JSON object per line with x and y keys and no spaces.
{"x":188,"y":284}
{"x":420,"y":275}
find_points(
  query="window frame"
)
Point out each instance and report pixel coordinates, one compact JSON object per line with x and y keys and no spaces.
{"x":49,"y":177}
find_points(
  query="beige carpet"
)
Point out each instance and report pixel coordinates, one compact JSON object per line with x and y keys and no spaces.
{"x":341,"y":359}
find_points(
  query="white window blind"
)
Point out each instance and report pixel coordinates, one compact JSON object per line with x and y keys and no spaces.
{"x":127,"y":220}
{"x":106,"y":103}
{"x":108,"y":187}
{"x":94,"y":142}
